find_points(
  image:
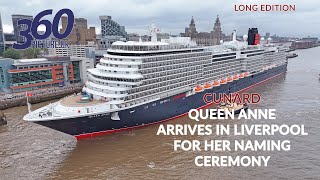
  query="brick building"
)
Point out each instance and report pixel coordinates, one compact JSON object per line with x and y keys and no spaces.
{"x":204,"y":38}
{"x":80,"y":33}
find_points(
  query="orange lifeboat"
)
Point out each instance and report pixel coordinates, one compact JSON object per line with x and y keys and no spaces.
{"x":235,"y":77}
{"x":207,"y":86}
{"x":223,"y":81}
{"x":198,"y":88}
{"x":246,"y":74}
{"x":241,"y":75}
{"x":229,"y":79}
{"x":216,"y":83}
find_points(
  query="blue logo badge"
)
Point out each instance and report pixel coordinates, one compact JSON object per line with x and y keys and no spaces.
{"x":31,"y":32}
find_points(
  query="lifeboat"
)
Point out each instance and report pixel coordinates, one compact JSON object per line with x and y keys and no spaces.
{"x":246,"y":74}
{"x":235,"y":77}
{"x":198,"y":88}
{"x":241,"y":75}
{"x":229,"y":79}
{"x":216,"y":83}
{"x":207,"y":86}
{"x":223,"y":81}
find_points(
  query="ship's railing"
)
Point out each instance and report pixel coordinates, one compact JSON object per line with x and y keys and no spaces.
{"x":152,"y":47}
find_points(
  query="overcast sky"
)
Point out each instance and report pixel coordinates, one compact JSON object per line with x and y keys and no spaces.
{"x":173,"y":16}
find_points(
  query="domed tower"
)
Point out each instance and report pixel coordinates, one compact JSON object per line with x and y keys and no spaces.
{"x":216,"y":32}
{"x":192,"y":27}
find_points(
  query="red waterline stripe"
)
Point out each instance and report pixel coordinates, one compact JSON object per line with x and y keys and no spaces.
{"x":100,"y":133}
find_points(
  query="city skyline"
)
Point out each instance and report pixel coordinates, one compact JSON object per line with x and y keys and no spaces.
{"x":173,"y":16}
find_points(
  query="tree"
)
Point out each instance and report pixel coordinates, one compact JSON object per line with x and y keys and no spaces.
{"x":12,"y":53}
{"x":31,"y":53}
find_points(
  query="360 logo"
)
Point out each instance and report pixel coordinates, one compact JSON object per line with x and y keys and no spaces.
{"x":31,"y":30}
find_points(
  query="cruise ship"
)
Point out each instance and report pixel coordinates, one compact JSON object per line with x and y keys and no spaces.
{"x":143,"y":83}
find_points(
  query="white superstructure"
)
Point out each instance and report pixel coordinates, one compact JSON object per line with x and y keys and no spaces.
{"x":134,"y":73}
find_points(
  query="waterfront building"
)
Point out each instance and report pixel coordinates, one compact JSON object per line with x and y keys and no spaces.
{"x":5,"y":65}
{"x":161,"y":36}
{"x":104,"y":42}
{"x":79,"y":50}
{"x":72,"y":50}
{"x":217,"y":32}
{"x":31,"y":74}
{"x":80,"y":33}
{"x":90,"y":53}
{"x":228,"y":37}
{"x":302,"y":44}
{"x":17,"y":28}
{"x":204,"y":38}
{"x":111,"y":28}
{"x":111,"y":32}
{"x":146,"y":38}
{"x":310,"y":39}
{"x":267,"y":35}
{"x":2,"y":44}
{"x":60,"y":51}
{"x":9,"y":37}
{"x":95,"y":55}
{"x":84,"y":64}
{"x":133,"y":37}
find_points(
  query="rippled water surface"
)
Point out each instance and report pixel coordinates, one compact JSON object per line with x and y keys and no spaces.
{"x":29,"y":151}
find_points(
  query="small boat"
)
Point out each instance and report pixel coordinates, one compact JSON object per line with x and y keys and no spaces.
{"x":229,"y":79}
{"x":199,"y":88}
{"x":233,"y":106}
{"x":223,"y":81}
{"x":235,"y":77}
{"x":216,"y":83}
{"x":207,"y":86}
{"x":293,"y":55}
{"x":290,"y":50}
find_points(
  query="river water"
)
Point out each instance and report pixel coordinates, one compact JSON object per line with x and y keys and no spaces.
{"x":30,"y":151}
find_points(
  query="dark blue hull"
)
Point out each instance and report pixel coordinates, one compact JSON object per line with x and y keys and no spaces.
{"x":154,"y":112}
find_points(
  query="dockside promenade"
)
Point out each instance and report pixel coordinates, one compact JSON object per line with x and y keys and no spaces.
{"x":37,"y":96}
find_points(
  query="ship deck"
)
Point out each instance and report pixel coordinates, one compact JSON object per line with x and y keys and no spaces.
{"x":75,"y":101}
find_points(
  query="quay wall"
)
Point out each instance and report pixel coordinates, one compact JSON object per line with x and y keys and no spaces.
{"x":20,"y":99}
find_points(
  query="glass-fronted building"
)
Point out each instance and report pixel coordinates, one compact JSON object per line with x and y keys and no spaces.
{"x":31,"y":74}
{"x":111,"y":28}
{"x":5,"y":66}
